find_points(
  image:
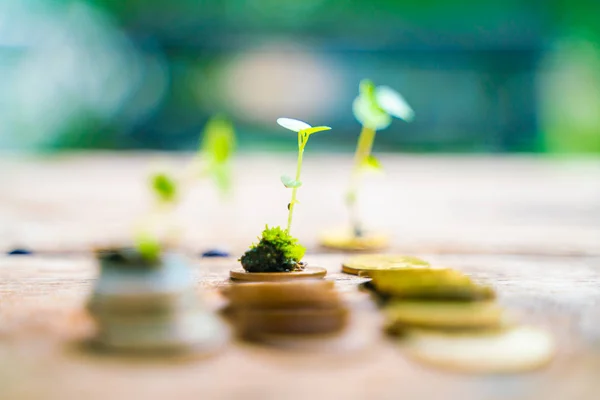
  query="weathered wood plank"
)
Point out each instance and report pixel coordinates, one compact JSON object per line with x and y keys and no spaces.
{"x":40,"y":313}
{"x":439,"y":207}
{"x":429,"y":204}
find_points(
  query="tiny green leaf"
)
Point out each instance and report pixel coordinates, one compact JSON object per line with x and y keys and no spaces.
{"x":366,"y":88}
{"x":148,"y":246}
{"x":289,"y":182}
{"x":316,"y":129}
{"x":218,"y":142}
{"x":369,"y":115}
{"x":222,"y":176}
{"x":293,"y":124}
{"x":374,"y":107}
{"x":217,"y":149}
{"x":164,"y":187}
{"x":371,"y":163}
{"x":350,"y":198}
{"x":393,"y":103}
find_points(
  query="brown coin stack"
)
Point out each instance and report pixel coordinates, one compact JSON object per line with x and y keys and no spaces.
{"x":305,"y":308}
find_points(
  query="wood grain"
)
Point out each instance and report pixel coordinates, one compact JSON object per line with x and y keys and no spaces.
{"x":528,"y":227}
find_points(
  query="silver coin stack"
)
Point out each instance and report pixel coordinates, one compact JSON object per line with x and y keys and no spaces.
{"x":152,"y":309}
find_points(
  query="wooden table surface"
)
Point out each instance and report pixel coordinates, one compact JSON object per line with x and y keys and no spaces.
{"x":529,"y":227}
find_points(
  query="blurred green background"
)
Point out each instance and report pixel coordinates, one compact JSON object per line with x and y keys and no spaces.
{"x":502,"y":76}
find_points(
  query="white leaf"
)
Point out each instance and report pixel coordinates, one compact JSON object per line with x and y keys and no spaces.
{"x":393,"y":103}
{"x":290,"y":183}
{"x":293,"y":124}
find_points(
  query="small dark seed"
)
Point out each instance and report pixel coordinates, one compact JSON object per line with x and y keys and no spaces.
{"x":215,"y":253}
{"x":19,"y":252}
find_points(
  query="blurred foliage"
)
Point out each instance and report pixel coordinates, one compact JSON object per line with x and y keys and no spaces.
{"x":164,"y":187}
{"x":217,"y":148}
{"x":499,"y":76}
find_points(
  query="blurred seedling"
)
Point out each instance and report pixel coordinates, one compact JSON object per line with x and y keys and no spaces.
{"x":373,"y":108}
{"x":212,"y":160}
{"x":216,"y":153}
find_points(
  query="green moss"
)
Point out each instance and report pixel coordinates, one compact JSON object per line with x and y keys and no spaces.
{"x":277,"y":251}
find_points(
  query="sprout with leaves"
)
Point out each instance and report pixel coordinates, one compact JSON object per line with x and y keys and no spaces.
{"x":156,"y":230}
{"x":212,"y":159}
{"x":277,"y":250}
{"x":304,"y":131}
{"x":373,"y":108}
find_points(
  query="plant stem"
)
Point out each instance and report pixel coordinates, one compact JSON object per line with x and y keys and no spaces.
{"x":363,"y":150}
{"x":295,"y":190}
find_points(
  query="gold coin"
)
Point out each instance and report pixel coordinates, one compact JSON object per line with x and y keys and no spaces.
{"x":346,"y":240}
{"x":430,"y":284}
{"x":373,"y":262}
{"x":444,"y":315}
{"x":517,"y":349}
{"x":307,"y":273}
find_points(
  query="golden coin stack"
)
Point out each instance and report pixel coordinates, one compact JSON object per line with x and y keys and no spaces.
{"x":447,"y":319}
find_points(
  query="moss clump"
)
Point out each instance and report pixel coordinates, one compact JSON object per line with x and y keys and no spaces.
{"x":276,"y":251}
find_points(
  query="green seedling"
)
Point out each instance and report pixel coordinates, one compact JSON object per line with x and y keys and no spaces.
{"x":277,"y":250}
{"x":212,"y":160}
{"x":304,"y":131}
{"x":373,"y":108}
{"x":156,"y":229}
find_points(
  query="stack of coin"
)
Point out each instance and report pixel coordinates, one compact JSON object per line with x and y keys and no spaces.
{"x":293,"y":308}
{"x":448,"y":320}
{"x":435,"y":298}
{"x":152,"y":308}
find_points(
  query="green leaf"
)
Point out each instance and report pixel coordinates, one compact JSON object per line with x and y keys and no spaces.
{"x":221,"y":174}
{"x":316,"y":129}
{"x":366,"y":109}
{"x":293,"y":124}
{"x":216,"y":150}
{"x":148,"y":246}
{"x":289,"y":182}
{"x":350,"y":198}
{"x":164,"y":187}
{"x":218,"y":143}
{"x":366,"y":88}
{"x":370,"y":115}
{"x":374,"y":107}
{"x":292,"y":203}
{"x":393,"y":103}
{"x":371,"y":163}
